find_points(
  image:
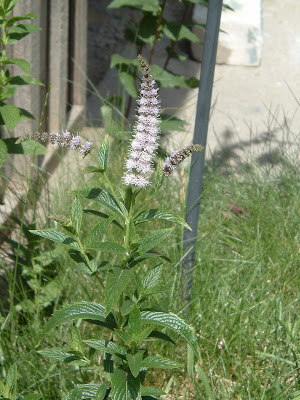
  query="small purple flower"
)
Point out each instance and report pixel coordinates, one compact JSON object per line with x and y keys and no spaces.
{"x":146,"y":131}
{"x":75,"y":142}
{"x":86,"y":148}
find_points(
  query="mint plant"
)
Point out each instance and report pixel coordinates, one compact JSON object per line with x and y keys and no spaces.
{"x":127,"y":320}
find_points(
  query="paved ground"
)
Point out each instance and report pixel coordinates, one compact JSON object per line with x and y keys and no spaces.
{"x":254,"y":109}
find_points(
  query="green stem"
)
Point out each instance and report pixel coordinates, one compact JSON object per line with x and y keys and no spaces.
{"x":83,"y":252}
{"x":157,"y":32}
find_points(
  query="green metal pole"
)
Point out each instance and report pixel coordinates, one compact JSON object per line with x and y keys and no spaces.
{"x":200,"y":135}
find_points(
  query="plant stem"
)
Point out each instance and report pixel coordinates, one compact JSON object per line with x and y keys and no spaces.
{"x":157,"y":32}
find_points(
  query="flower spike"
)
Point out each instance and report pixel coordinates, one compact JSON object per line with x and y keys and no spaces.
{"x":178,"y":156}
{"x":144,"y":143}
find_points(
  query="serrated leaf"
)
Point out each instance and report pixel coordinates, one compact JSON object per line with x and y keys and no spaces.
{"x":20,"y":62}
{"x":165,"y":215}
{"x":86,"y":391}
{"x":128,"y":81}
{"x":97,"y":230}
{"x":76,"y":215}
{"x":152,"y":278}
{"x":29,"y":147}
{"x":55,"y":353}
{"x":173,"y":322}
{"x":134,"y":322}
{"x":135,"y":362}
{"x":81,"y":262}
{"x":117,"y":59}
{"x":21,"y":80}
{"x":103,"y":154}
{"x":142,"y":5}
{"x":10,"y":115}
{"x":9,"y":5}
{"x":177,"y":32}
{"x":108,"y":246}
{"x":12,"y":20}
{"x":76,"y":341}
{"x":58,"y":237}
{"x":101,"y":196}
{"x":71,"y":312}
{"x":150,"y":254}
{"x":150,"y":241}
{"x":106,"y":346}
{"x":124,"y":386}
{"x":32,"y":396}
{"x":167,"y":79}
{"x":3,"y":152}
{"x":102,"y":215}
{"x":159,"y":362}
{"x":115,"y":284}
{"x":18,"y":32}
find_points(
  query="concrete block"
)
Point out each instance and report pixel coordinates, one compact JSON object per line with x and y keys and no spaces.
{"x":241,"y":34}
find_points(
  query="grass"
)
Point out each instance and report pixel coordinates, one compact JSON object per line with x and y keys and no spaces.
{"x":244,"y":305}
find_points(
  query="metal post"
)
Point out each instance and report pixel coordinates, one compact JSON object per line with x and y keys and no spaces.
{"x":200,"y":135}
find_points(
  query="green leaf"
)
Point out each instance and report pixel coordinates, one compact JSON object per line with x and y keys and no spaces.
{"x":151,"y":391}
{"x":20,"y":62}
{"x":4,"y":391}
{"x":151,"y":254}
{"x":97,"y":230}
{"x":76,"y":215}
{"x":9,"y":5}
{"x":152,"y":278}
{"x":81,"y":262}
{"x":159,"y":362}
{"x":147,"y":29}
{"x":103,"y":154}
{"x":115,"y":284}
{"x":135,"y":362}
{"x":101,"y":392}
{"x":177,"y":32}
{"x":101,"y":196}
{"x":117,"y":60}
{"x":142,"y":5}
{"x":12,"y":20}
{"x":128,"y":81}
{"x":108,"y":246}
{"x":86,"y":391}
{"x":29,"y":147}
{"x":71,"y":312}
{"x":55,"y":354}
{"x":3,"y":152}
{"x":32,"y":396}
{"x":165,"y":215}
{"x":10,"y":115}
{"x":102,"y":215}
{"x":107,"y":346}
{"x":57,"y":237}
{"x":150,"y":241}
{"x":91,"y":169}
{"x":18,"y":32}
{"x":205,"y":382}
{"x":173,"y":322}
{"x":162,"y":336}
{"x":171,"y":123}
{"x":134,"y":322}
{"x":22,"y":80}
{"x":11,"y":379}
{"x":167,"y":79}
{"x":8,"y":91}
{"x":124,"y":386}
{"x":76,"y":341}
